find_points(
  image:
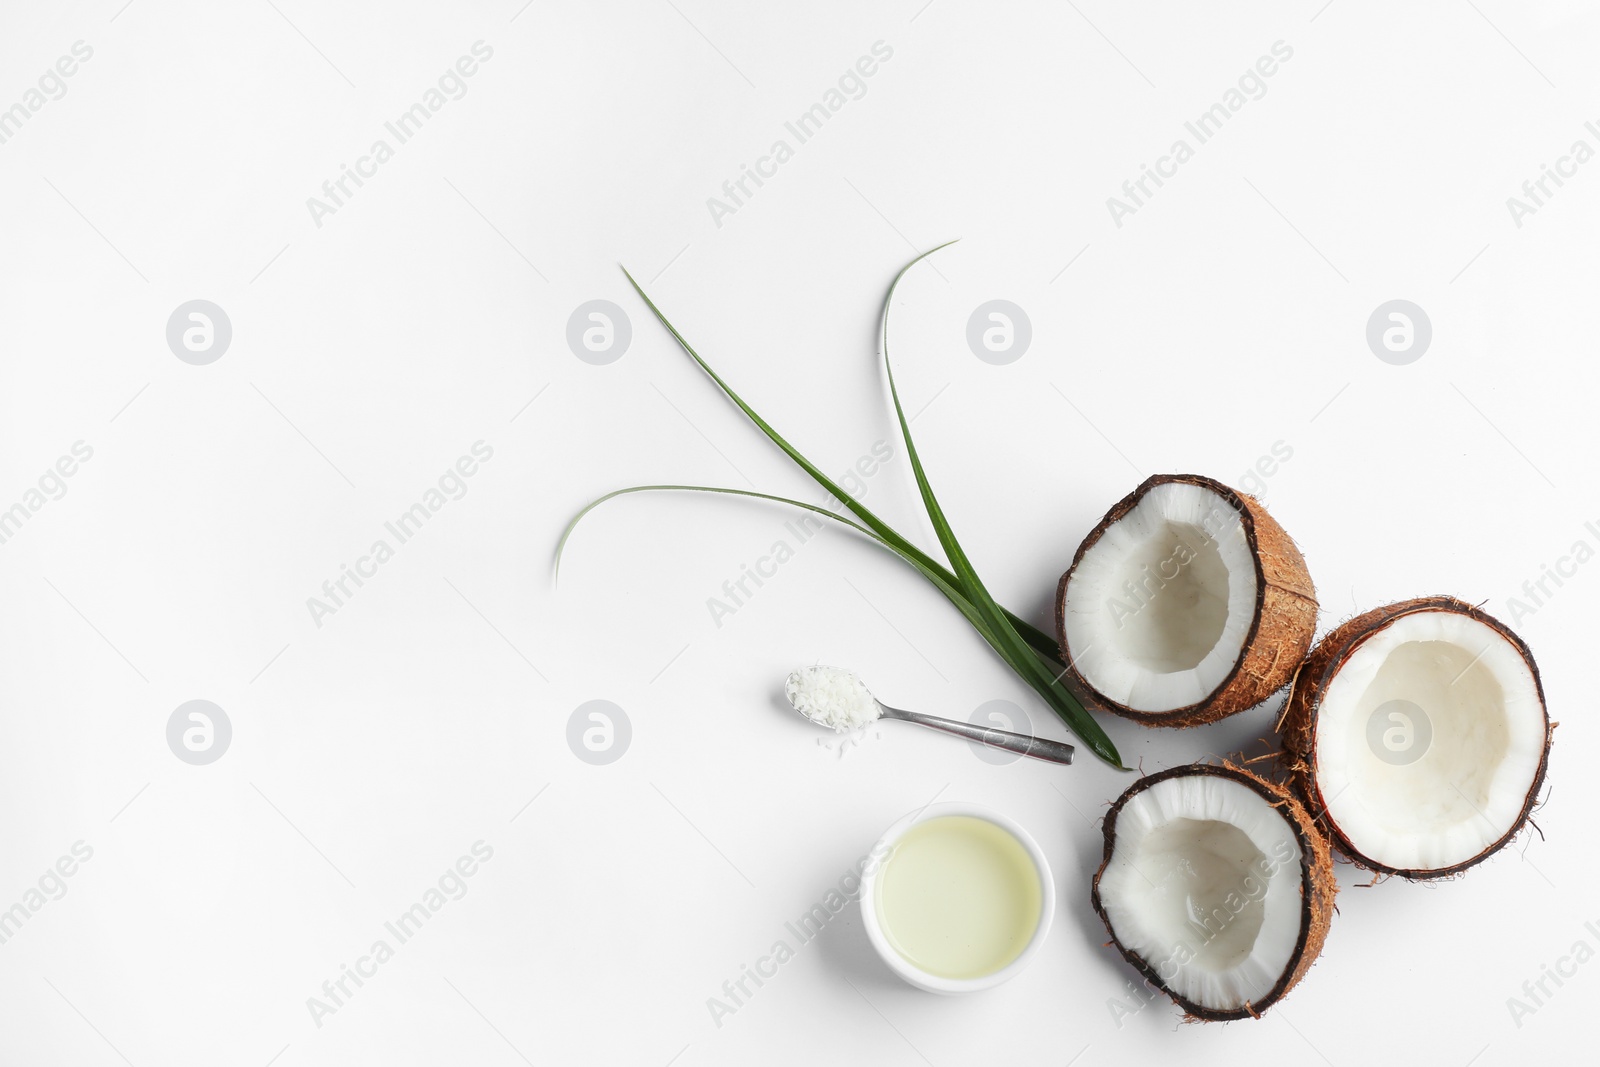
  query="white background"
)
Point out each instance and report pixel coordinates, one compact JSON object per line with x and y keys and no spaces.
{"x":429,"y":312}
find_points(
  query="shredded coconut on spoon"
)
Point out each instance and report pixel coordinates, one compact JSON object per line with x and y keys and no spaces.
{"x":831,"y":696}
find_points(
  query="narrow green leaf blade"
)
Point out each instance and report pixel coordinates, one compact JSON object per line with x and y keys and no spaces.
{"x":948,"y":588}
{"x":572,"y":525}
{"x":1002,"y":635}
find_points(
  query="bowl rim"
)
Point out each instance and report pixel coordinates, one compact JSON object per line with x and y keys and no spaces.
{"x":909,"y":971}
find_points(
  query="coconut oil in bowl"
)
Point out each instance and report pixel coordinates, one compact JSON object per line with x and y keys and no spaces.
{"x":961,"y":901}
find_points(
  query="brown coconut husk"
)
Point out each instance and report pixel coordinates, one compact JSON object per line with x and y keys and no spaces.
{"x":1299,"y":724}
{"x":1281,"y":631}
{"x":1319,"y":885}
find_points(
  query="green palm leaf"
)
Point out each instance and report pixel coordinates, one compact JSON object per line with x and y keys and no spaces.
{"x":1026,"y":649}
{"x":1035,"y":637}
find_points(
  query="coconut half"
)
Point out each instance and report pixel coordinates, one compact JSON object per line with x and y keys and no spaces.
{"x":1419,"y":736}
{"x":1217,"y":887}
{"x":1188,"y":603}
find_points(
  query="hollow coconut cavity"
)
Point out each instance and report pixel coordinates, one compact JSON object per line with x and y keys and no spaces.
{"x":1418,"y":733}
{"x":1186,"y":604}
{"x":1217,"y":887}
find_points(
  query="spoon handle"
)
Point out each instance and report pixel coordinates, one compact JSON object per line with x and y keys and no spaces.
{"x":1022,"y":744}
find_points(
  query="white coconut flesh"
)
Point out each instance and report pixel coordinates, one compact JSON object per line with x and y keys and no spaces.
{"x":1158,"y":610}
{"x":1204,"y":885}
{"x":1428,"y":740}
{"x":832,"y":697}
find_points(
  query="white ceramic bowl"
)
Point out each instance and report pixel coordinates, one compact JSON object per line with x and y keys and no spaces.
{"x":905,"y":968}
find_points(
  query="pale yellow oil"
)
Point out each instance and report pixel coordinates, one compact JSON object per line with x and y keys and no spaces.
{"x":958,"y":897}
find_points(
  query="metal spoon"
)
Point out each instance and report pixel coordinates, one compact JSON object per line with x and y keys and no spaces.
{"x":1022,"y":744}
